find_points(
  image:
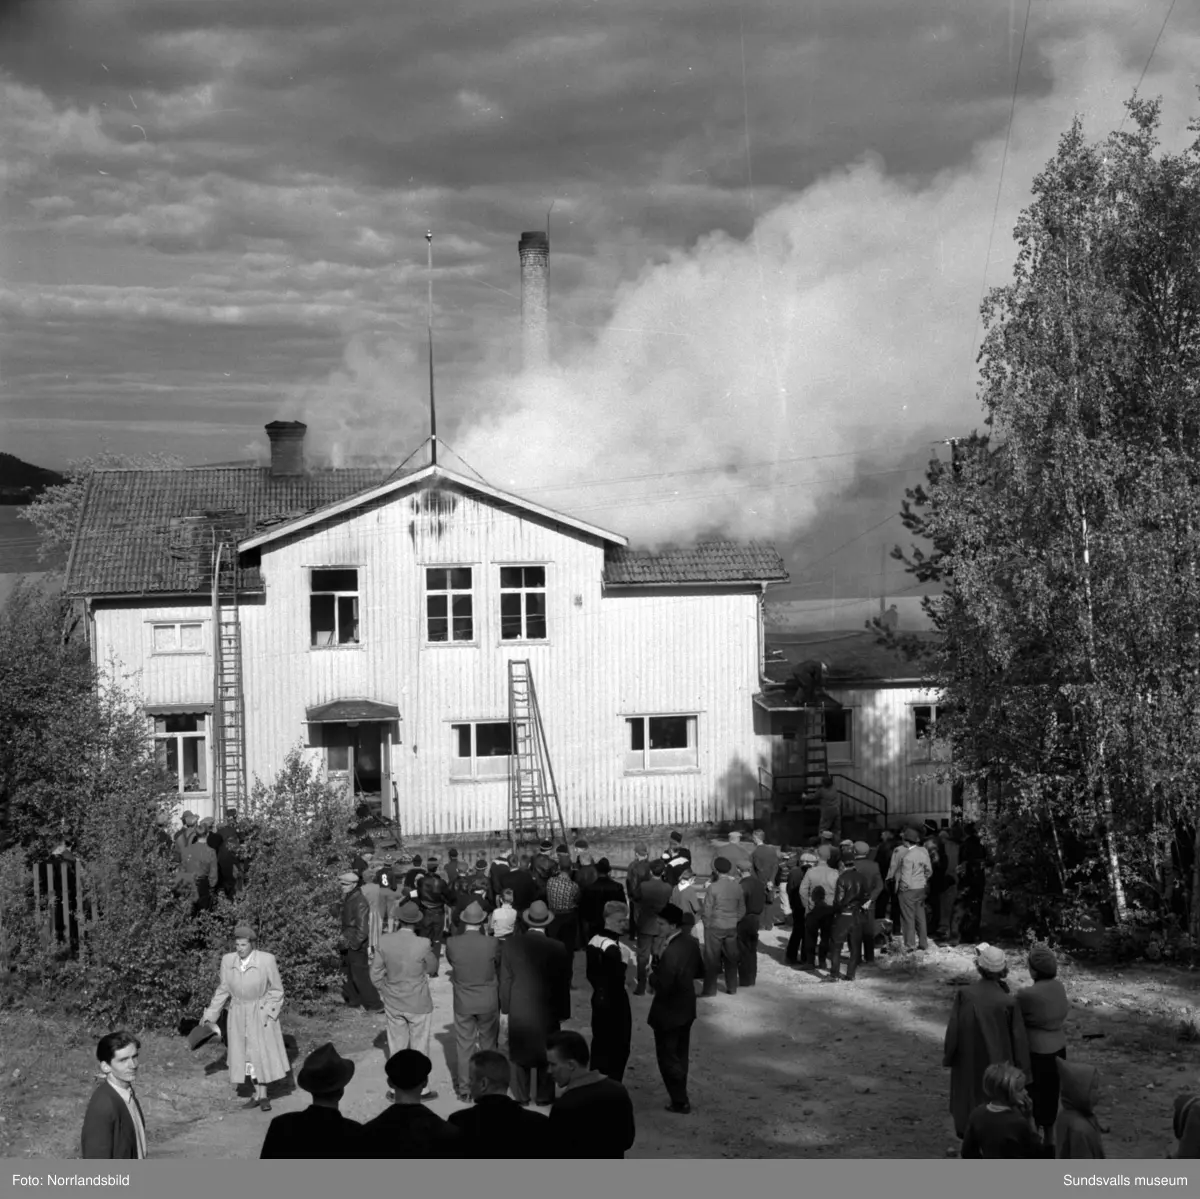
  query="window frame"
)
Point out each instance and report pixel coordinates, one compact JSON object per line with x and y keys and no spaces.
{"x":925,"y":750}
{"x":523,"y":591}
{"x":472,"y":773}
{"x":203,"y":733}
{"x":178,"y":626}
{"x":850,"y":755}
{"x":449,"y":592}
{"x":660,"y":766}
{"x":337,"y":595}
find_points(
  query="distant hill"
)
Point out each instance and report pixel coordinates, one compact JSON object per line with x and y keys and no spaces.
{"x":21,"y":481}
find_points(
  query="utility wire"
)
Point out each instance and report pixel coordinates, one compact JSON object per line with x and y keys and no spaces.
{"x":1149,"y":59}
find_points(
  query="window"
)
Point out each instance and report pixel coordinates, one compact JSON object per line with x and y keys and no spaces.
{"x":661,"y":743}
{"x":522,"y":603}
{"x":928,"y":748}
{"x":839,"y":736}
{"x":482,"y":750}
{"x":334,"y":608}
{"x":181,"y":751}
{"x":449,"y":604}
{"x":178,"y":638}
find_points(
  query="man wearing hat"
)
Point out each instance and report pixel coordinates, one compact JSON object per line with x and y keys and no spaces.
{"x":535,"y":995}
{"x":874,"y":883}
{"x":653,"y":894}
{"x":688,"y":896}
{"x":472,"y":888}
{"x":187,"y":831}
{"x":320,"y":1130}
{"x":912,"y":870}
{"x":357,"y":990}
{"x":401,"y":970}
{"x":795,"y":880}
{"x":724,"y":907}
{"x":673,"y":1010}
{"x":496,"y":1126}
{"x":474,"y":961}
{"x":408,"y":1129}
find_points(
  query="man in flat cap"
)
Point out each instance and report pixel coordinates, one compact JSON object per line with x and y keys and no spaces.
{"x":320,"y":1130}
{"x":724,"y":907}
{"x":474,"y":961}
{"x":869,"y":869}
{"x":357,"y":990}
{"x":635,"y":874}
{"x":401,"y":970}
{"x":408,"y":1129}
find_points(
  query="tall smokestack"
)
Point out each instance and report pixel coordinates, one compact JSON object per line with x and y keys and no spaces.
{"x":535,"y":300}
{"x":287,"y":447}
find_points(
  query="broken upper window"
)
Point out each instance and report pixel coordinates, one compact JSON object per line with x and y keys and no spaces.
{"x":334,"y":607}
{"x":522,"y":603}
{"x":449,"y":604}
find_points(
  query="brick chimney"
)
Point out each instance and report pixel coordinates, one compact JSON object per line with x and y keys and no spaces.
{"x":287,"y":447}
{"x":535,"y":300}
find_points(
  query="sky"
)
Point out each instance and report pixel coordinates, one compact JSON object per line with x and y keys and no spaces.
{"x":771,"y":224}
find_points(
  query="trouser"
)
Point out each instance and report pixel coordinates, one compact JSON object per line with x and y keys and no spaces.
{"x":946,"y":908}
{"x":796,"y":939}
{"x":847,"y":928}
{"x":894,"y":905}
{"x":868,"y":936}
{"x":747,"y":943}
{"x":520,"y":1079}
{"x":1044,"y":1087}
{"x":406,"y":1031}
{"x":433,"y":926}
{"x":968,"y":914}
{"x":647,"y":947}
{"x":474,"y":1032}
{"x":612,"y":1034}
{"x":912,"y":917}
{"x":816,"y":941}
{"x":671,"y":1047}
{"x":720,"y":953}
{"x":358,"y":990}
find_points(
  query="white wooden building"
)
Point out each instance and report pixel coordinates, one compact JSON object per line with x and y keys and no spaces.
{"x":878,"y":743}
{"x":378,"y":617}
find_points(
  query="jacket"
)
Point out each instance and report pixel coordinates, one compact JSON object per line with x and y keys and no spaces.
{"x":593,"y":1118}
{"x":314,"y":1133}
{"x":592,"y":900}
{"x":431,"y":893}
{"x":524,"y":888}
{"x":765,"y":861}
{"x":108,"y":1128}
{"x":356,"y":921}
{"x":199,"y":862}
{"x":474,"y":960}
{"x":679,"y":965}
{"x":820,"y":875}
{"x":850,"y":894}
{"x":497,"y":876}
{"x":409,"y":1130}
{"x":755,"y":891}
{"x":498,"y":1128}
{"x":400,"y":971}
{"x":535,"y":994}
{"x":911,"y":868}
{"x":1044,"y":1008}
{"x":871,"y":876}
{"x":689,"y":899}
{"x":724,"y":904}
{"x":638,"y":872}
{"x":652,"y":896}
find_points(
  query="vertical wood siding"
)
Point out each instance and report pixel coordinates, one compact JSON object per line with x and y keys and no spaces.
{"x":607,"y":656}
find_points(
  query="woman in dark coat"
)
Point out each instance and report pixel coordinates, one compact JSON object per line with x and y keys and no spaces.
{"x":985,"y":1029}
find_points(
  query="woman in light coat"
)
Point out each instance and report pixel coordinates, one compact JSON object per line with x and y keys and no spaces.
{"x":250,"y":983}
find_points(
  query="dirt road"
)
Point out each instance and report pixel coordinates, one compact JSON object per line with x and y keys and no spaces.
{"x":796,"y":1067}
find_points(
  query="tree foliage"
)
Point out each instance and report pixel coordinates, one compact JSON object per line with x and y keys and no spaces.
{"x":1065,"y":536}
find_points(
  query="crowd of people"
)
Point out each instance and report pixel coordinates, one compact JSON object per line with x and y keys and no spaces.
{"x":508,"y":930}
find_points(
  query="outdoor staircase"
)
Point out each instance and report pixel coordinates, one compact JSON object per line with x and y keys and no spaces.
{"x":533,"y":808}
{"x":229,"y":710}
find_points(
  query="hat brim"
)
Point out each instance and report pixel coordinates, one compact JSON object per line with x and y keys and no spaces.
{"x":336,"y":1080}
{"x":533,"y":922}
{"x":201,"y":1035}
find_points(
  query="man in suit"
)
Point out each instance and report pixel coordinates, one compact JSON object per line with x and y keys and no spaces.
{"x":535,"y":995}
{"x":593,"y":1116}
{"x":320,"y":1130}
{"x":652,"y":896}
{"x":475,"y":964}
{"x":401,"y":970}
{"x":673,"y":1010}
{"x":433,"y":896}
{"x":407,"y":1128}
{"x":113,"y":1126}
{"x":497,"y":1126}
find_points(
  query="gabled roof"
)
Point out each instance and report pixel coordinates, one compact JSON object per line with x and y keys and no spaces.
{"x":438,"y":474}
{"x":705,"y":562}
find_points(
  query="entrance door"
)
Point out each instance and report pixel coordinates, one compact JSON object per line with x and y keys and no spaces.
{"x":356,"y":756}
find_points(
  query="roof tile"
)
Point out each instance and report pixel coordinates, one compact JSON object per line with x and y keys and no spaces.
{"x":705,"y":562}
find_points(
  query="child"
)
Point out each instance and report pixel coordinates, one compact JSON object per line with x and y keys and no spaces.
{"x":818,"y":924}
{"x":1077,"y":1132}
{"x":1002,"y":1127}
{"x":503,"y":920}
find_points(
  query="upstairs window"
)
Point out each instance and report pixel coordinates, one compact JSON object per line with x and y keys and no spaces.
{"x":178,"y":638}
{"x":661,"y":743}
{"x":449,"y":604}
{"x":334,"y":608}
{"x":927,"y":746}
{"x":181,"y":751}
{"x":481,"y":750}
{"x":522,"y":603}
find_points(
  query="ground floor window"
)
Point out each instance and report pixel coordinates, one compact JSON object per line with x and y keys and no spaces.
{"x":661,"y":743}
{"x":181,"y":751}
{"x":481,"y":750}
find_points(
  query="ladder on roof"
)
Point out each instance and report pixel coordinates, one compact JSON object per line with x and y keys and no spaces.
{"x":229,"y":707}
{"x":533,"y":807}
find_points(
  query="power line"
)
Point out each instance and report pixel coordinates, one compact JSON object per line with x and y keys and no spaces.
{"x":852,"y":540}
{"x":1149,"y":59}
